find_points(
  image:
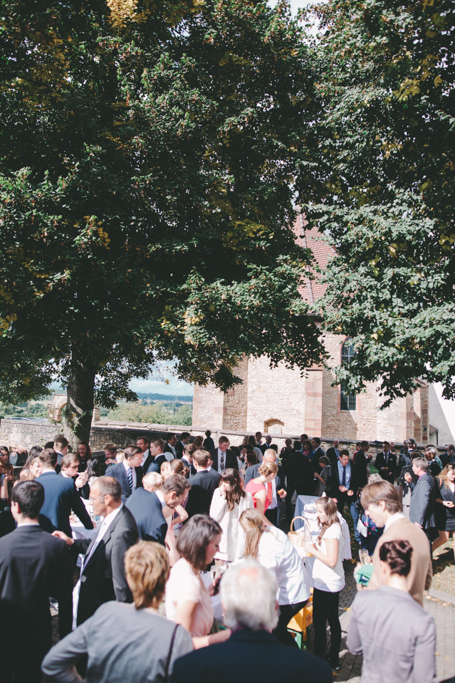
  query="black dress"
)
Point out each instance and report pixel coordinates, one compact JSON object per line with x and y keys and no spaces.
{"x":445,"y":517}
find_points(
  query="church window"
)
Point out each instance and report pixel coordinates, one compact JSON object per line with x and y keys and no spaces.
{"x":348,"y":401}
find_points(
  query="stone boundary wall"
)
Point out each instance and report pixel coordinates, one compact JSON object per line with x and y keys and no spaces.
{"x":24,"y":434}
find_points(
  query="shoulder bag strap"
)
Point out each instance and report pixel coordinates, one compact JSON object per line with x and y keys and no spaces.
{"x":166,"y":673}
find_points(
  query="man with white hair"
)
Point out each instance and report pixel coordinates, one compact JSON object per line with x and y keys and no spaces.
{"x":248,"y":594}
{"x":273,"y":511}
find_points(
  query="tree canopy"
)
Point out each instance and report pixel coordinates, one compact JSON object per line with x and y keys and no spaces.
{"x":147,"y":157}
{"x":384,"y":186}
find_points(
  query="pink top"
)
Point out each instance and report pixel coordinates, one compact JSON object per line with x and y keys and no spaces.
{"x":253,"y":488}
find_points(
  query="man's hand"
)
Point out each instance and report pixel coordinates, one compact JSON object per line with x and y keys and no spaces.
{"x":408,"y":478}
{"x":282,"y":493}
{"x":350,"y":493}
{"x":343,"y":489}
{"x":61,"y":534}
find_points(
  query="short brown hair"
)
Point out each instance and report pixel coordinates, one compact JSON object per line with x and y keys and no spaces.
{"x":147,"y":570}
{"x":201,"y":457}
{"x":194,"y":538}
{"x":223,"y":439}
{"x":268,"y":468}
{"x":145,"y":439}
{"x":69,"y":459}
{"x":48,"y":457}
{"x":111,"y":447}
{"x":60,"y":440}
{"x":177,"y":483}
{"x":131,"y":451}
{"x":160,"y":443}
{"x":382,"y":490}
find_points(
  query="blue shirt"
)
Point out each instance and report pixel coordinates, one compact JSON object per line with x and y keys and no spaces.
{"x":348,"y":473}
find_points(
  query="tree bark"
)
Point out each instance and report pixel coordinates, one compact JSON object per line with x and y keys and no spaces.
{"x":77,"y":418}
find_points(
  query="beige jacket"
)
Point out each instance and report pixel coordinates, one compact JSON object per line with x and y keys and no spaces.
{"x":421,"y":574}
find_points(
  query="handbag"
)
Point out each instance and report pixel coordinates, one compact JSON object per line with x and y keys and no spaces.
{"x":296,"y":539}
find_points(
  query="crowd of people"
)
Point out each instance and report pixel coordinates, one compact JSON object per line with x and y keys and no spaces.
{"x":134,"y":545}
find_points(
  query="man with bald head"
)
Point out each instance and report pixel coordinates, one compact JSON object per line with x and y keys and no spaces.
{"x":273,"y":511}
{"x":103,"y":568}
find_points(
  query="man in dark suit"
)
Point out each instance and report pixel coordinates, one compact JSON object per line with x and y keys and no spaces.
{"x":147,"y":505}
{"x":252,"y":653}
{"x":299,"y":470}
{"x":187,"y":459}
{"x":143,"y":442}
{"x":34,"y":566}
{"x":222,"y":457}
{"x":421,"y":511}
{"x":103,"y":568}
{"x":333,"y":453}
{"x":386,"y":463}
{"x":170,"y":446}
{"x":180,"y":445}
{"x":361,"y":459}
{"x":128,"y":472}
{"x":317,"y":451}
{"x":156,"y":457}
{"x":61,"y":497}
{"x":273,"y":511}
{"x":203,"y":484}
{"x":343,"y":484}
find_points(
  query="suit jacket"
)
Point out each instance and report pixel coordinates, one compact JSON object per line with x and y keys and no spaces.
{"x":179,"y":447}
{"x":153,"y":464}
{"x":250,"y":656}
{"x":118,"y":471}
{"x":334,"y":483}
{"x":168,"y":449}
{"x":421,"y":574}
{"x":361,"y":463}
{"x":300,"y":470}
{"x":33,"y":567}
{"x":332,"y":455}
{"x":190,"y":466}
{"x":60,"y":497}
{"x":103,"y":577}
{"x":389,"y":461}
{"x":203,"y":484}
{"x":389,"y":620}
{"x":231,"y":459}
{"x":422,"y":502}
{"x":145,"y":506}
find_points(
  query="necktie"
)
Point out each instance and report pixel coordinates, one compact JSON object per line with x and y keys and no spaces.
{"x":343,"y":481}
{"x":222,"y":462}
{"x":130,"y":478}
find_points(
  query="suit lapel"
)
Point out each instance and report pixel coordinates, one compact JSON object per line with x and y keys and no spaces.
{"x":105,"y":540}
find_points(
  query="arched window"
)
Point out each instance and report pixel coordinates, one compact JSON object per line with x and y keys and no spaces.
{"x":273,"y":427}
{"x":348,"y":401}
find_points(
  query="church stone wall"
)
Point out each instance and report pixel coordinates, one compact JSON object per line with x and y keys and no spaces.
{"x":235,"y":407}
{"x":276,"y":398}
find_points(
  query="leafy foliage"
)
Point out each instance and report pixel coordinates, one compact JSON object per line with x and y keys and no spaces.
{"x":384,"y":182}
{"x":156,"y":413}
{"x":147,"y":155}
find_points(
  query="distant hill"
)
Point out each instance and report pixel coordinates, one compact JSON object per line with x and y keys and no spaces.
{"x":166,"y":397}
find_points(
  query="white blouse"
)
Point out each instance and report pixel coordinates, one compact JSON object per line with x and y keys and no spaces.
{"x":233,"y":537}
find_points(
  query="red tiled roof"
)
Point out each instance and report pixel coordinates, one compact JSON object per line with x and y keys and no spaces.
{"x":311,"y":289}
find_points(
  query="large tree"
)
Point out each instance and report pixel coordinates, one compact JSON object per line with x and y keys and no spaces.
{"x":384,"y":186}
{"x":147,"y":154}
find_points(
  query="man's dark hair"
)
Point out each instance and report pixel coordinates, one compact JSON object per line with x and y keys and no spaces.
{"x":48,"y":457}
{"x":317,"y":439}
{"x":385,"y":443}
{"x":297,"y":445}
{"x":185,"y":435}
{"x":303,"y":437}
{"x":35,"y":451}
{"x":145,"y":439}
{"x":344,"y":452}
{"x":160,"y":443}
{"x":60,"y":440}
{"x":29,"y":495}
{"x":208,"y":432}
{"x":177,"y":483}
{"x":364,"y":444}
{"x":130,"y":451}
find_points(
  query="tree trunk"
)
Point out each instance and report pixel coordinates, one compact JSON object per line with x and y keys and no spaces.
{"x":77,"y":418}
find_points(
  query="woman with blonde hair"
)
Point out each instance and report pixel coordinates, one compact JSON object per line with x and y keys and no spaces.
{"x":228,"y":502}
{"x":328,"y":578}
{"x":445,"y":504}
{"x":261,"y":488}
{"x":272,"y":548}
{"x":142,"y":645}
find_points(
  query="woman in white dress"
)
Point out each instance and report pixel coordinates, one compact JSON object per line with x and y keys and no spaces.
{"x":228,"y":502}
{"x":328,"y":578}
{"x":272,"y":548}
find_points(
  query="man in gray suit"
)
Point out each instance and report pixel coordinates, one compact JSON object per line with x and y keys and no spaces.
{"x":422,"y":498}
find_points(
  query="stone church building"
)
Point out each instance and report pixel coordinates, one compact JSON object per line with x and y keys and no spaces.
{"x":280,"y":401}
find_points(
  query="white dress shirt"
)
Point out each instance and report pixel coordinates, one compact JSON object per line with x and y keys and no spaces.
{"x":104,"y":526}
{"x":161,"y":499}
{"x":125,"y":464}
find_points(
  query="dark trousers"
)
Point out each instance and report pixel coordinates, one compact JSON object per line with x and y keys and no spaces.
{"x":281,"y":632}
{"x":272,"y":515}
{"x":355,"y":514}
{"x":301,"y":490}
{"x":325,"y":608}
